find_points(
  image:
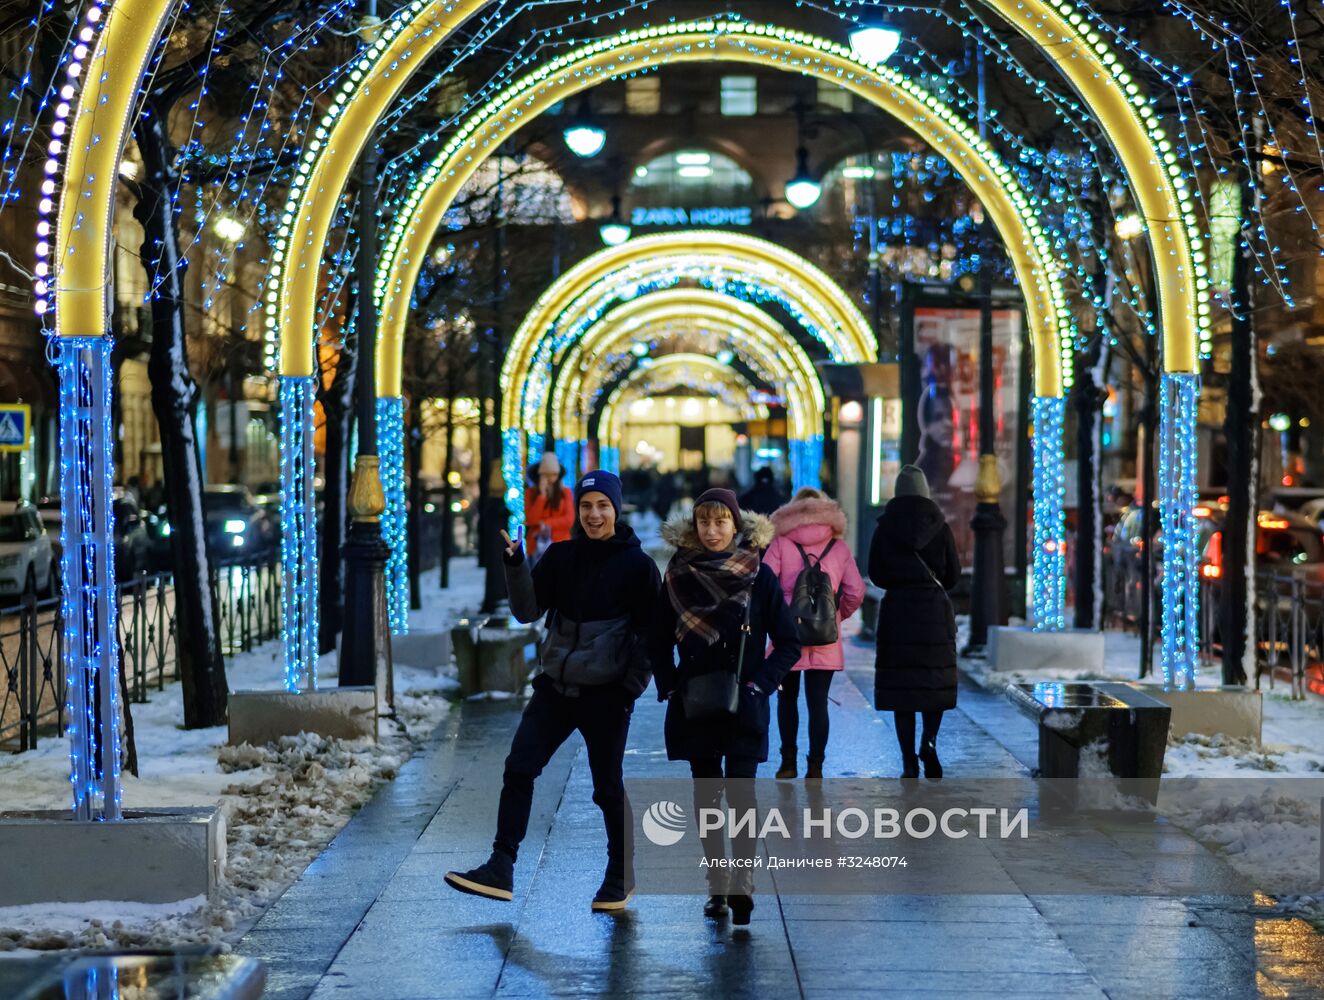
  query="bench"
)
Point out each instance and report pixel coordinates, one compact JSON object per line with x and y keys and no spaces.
{"x":489,"y":654}
{"x":1128,"y":729}
{"x":197,"y":976}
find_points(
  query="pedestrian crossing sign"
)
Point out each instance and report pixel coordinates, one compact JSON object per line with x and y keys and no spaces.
{"x":15,"y":426}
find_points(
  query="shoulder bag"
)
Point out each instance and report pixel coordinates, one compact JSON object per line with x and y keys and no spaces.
{"x":716,"y":694}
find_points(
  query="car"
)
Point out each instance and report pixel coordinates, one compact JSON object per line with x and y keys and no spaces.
{"x":237,"y":530}
{"x":131,"y":540}
{"x":27,"y":561}
{"x":1287,"y":544}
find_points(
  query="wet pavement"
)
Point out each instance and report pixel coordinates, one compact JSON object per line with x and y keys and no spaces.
{"x":371,"y":918}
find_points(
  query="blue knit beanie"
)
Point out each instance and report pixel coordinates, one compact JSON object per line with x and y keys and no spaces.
{"x":600,"y":482}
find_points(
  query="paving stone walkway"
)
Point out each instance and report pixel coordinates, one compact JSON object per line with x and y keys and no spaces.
{"x":372,"y":920}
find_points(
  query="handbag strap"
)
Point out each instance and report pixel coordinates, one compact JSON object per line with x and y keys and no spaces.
{"x":927,"y":569}
{"x":744,"y":634}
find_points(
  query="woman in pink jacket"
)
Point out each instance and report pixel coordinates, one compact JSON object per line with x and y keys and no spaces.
{"x":812,"y":526}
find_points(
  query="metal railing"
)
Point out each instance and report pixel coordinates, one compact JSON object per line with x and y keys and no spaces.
{"x":1289,"y":627}
{"x":247,"y":605}
{"x":32,"y":680}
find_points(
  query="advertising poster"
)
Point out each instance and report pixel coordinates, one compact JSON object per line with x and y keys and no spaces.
{"x":947,"y":348}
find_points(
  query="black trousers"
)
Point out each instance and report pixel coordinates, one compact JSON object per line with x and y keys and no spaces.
{"x":602,"y":717}
{"x":905,"y":728}
{"x":737,"y":782}
{"x":816,"y":685}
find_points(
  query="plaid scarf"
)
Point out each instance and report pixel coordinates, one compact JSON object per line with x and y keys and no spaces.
{"x":709,"y":590}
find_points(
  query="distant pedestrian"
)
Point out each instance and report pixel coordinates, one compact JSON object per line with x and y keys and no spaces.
{"x":811,"y":534}
{"x":718,"y":609}
{"x":913,"y":558}
{"x":549,"y":511}
{"x":763,"y":497}
{"x":598,"y":590}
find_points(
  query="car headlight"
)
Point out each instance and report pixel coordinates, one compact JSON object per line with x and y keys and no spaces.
{"x":235,"y":526}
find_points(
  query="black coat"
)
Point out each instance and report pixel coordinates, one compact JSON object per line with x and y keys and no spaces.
{"x":913,"y":558}
{"x":747,"y":736}
{"x":587,"y":582}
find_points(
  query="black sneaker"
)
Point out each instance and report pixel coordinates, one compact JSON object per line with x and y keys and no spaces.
{"x":493,"y":879}
{"x":613,"y":894}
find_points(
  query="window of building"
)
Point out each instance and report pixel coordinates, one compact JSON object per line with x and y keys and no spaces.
{"x":643,"y":95}
{"x":740,"y":95}
{"x":694,"y":186}
{"x":450,"y":95}
{"x":833,"y":96}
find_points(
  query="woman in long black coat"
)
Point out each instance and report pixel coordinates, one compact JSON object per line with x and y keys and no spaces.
{"x":913,"y":558}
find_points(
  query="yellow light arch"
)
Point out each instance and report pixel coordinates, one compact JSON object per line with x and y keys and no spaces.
{"x":1057,"y":27}
{"x":664,"y":374}
{"x":570,"y":301}
{"x":941,"y":126}
{"x":753,"y":335}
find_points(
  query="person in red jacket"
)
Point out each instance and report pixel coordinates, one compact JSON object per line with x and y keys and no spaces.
{"x":549,"y":511}
{"x":813,"y":527}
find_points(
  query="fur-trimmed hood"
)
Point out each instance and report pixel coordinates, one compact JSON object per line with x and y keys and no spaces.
{"x":679,"y":532}
{"x":810,"y":511}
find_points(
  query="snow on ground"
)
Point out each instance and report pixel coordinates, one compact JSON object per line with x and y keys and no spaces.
{"x":283,"y":803}
{"x":1258,"y":805}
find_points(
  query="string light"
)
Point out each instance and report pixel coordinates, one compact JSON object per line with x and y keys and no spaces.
{"x":87,"y":539}
{"x":1179,"y":399}
{"x":1048,"y":601}
{"x":391,"y":452}
{"x":299,"y":535}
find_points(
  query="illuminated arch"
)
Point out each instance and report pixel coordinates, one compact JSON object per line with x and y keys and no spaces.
{"x":720,"y":260}
{"x":674,"y":371}
{"x":1010,"y":209}
{"x":764,"y":345}
{"x":1057,"y":27}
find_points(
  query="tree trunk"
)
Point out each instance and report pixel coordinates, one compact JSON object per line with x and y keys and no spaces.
{"x":337,"y":406}
{"x":174,"y":402}
{"x":414,"y":514}
{"x":1241,"y":426}
{"x":1086,"y":399}
{"x":1148,"y":523}
{"x":447,"y":492}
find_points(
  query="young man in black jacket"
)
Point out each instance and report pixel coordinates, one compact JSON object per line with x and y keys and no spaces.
{"x":598,"y":590}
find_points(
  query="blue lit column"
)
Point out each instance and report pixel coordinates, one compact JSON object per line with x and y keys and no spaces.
{"x":568,"y":453}
{"x":1048,"y":599}
{"x":1179,"y":397}
{"x":512,"y":469}
{"x":806,"y":462}
{"x":298,"y":541}
{"x":391,"y":450}
{"x":87,"y":538}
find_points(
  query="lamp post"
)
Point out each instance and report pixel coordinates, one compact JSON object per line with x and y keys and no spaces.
{"x":988,"y":604}
{"x":365,"y":646}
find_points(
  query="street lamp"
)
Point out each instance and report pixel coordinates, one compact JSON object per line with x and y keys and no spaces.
{"x":802,"y":190}
{"x":874,"y":43}
{"x":584,"y":136}
{"x":615,"y":230}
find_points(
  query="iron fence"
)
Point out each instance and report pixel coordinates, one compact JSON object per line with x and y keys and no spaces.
{"x":32,"y":680}
{"x":1289,"y":627}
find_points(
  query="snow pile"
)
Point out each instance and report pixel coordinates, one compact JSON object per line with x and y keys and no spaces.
{"x":1209,"y":756}
{"x":1268,"y":831}
{"x":304,"y":790}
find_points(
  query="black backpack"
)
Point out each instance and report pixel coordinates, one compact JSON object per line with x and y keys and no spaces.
{"x":814,"y":602}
